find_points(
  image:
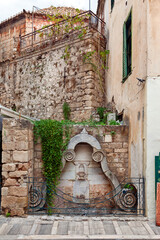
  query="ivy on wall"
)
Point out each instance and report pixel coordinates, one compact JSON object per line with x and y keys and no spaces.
{"x":54,"y":137}
{"x":77,"y":23}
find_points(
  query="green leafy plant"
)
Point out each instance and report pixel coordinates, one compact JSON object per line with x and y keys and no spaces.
{"x":103,"y":55}
{"x":112,"y":133}
{"x":8,"y":214}
{"x":113,"y":122}
{"x":66,"y":111}
{"x":54,"y":138}
{"x":77,"y":24}
{"x":105,"y":117}
{"x":100,"y":111}
{"x":14,"y":107}
{"x":99,"y":65}
{"x":71,"y":24}
{"x":66,"y":54}
{"x":128,"y":186}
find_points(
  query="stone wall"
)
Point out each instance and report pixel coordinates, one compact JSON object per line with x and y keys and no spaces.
{"x":21,"y":158}
{"x":88,"y":172}
{"x":114,"y":146}
{"x":17,"y":162}
{"x":39,"y":81}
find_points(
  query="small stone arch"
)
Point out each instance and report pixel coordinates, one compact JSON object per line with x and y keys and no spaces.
{"x":84,"y":137}
{"x":98,"y":156}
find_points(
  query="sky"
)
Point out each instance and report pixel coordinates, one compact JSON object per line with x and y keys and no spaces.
{"x":9,"y":8}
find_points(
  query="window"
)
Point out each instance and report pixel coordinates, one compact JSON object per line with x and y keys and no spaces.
{"x":112,"y":4}
{"x":127,"y":47}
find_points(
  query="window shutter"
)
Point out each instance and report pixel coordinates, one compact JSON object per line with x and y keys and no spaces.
{"x":124,"y":52}
{"x":112,"y":4}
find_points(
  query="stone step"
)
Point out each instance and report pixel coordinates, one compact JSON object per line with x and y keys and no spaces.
{"x":93,"y":237}
{"x":70,"y":228}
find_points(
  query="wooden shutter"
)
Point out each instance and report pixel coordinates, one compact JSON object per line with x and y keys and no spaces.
{"x":112,"y":4}
{"x":124,"y":52}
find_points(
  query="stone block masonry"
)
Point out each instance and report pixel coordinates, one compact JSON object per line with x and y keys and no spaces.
{"x":17,"y":162}
{"x":114,"y":146}
{"x":21,"y":158}
{"x":84,"y":175}
{"x":38,"y":81}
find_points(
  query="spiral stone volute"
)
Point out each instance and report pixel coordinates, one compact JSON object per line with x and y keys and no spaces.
{"x":69,"y":155}
{"x":98,"y":156}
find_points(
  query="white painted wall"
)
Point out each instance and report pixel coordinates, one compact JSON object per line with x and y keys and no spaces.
{"x":152,"y":136}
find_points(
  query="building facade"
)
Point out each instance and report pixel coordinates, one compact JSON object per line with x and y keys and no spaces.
{"x":38,"y":77}
{"x":132,"y":80}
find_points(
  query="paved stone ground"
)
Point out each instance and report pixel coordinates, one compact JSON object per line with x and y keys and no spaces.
{"x":65,"y":228}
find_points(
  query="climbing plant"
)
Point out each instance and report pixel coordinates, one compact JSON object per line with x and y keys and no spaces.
{"x":99,"y":65}
{"x":100,"y":111}
{"x":66,"y":111}
{"x":72,"y":24}
{"x":54,"y":138}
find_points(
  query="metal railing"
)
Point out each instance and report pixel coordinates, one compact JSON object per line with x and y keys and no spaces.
{"x":54,"y":33}
{"x":61,"y":30}
{"x":130,"y":200}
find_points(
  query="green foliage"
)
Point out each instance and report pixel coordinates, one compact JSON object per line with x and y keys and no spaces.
{"x":54,"y":137}
{"x":70,"y":23}
{"x":66,"y":111}
{"x":87,"y":58}
{"x":100,"y":111}
{"x":103,"y":54}
{"x":8,"y":214}
{"x":76,"y":23}
{"x":66,"y":54}
{"x":113,"y":122}
{"x":77,"y":10}
{"x":112,"y":133}
{"x":100,"y":65}
{"x":41,"y":34}
{"x":14,"y":107}
{"x":128,"y":186}
{"x":105,"y":117}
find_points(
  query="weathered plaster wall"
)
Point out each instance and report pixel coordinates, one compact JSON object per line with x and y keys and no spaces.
{"x":17,"y":165}
{"x":129,"y":96}
{"x":139,"y":101}
{"x":153,"y":38}
{"x":39,"y":82}
{"x":152,"y":136}
{"x":152,"y":129}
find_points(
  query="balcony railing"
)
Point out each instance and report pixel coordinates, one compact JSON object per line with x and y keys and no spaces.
{"x":79,"y":24}
{"x":73,"y":26}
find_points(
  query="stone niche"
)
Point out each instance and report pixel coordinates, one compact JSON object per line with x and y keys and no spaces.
{"x":94,"y":164}
{"x":83,"y":176}
{"x":114,"y":147}
{"x":86,"y":174}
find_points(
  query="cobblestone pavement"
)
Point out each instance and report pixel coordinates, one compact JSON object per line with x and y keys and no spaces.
{"x":51,"y":227}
